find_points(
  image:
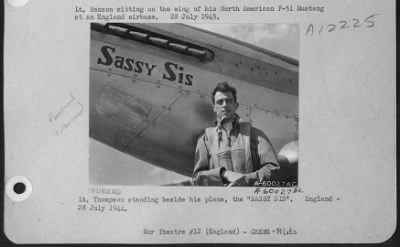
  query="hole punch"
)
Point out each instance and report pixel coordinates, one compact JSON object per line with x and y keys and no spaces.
{"x":18,"y":188}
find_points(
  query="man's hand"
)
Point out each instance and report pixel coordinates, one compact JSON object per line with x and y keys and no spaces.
{"x":235,"y":178}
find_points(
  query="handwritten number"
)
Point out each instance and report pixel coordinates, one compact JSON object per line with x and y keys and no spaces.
{"x":320,"y":30}
{"x":356,"y":21}
{"x":344,"y":24}
{"x":372,"y":23}
{"x":333,"y":27}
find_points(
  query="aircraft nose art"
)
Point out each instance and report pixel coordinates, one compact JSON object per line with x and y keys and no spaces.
{"x":141,"y":115}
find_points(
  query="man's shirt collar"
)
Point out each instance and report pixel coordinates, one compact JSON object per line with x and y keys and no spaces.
{"x":235,"y":123}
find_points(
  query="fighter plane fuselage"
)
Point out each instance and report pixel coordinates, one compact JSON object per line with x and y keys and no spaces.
{"x":151,"y":85}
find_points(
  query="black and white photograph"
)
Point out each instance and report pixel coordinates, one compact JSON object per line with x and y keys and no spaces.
{"x":168,"y":122}
{"x":202,"y":105}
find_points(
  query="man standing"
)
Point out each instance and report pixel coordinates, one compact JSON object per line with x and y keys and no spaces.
{"x":233,"y":153}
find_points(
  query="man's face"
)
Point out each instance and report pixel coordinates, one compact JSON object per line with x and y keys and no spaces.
{"x":225,"y":106}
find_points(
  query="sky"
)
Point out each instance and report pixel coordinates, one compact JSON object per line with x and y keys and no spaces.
{"x":111,"y":167}
{"x":280,"y":38}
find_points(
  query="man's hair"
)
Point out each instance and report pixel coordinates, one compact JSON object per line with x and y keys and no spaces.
{"x":223,"y":87}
